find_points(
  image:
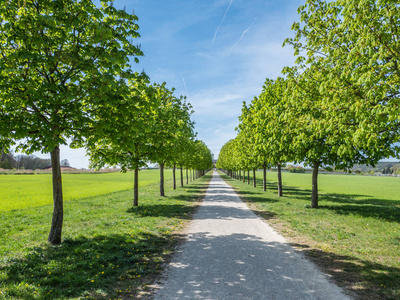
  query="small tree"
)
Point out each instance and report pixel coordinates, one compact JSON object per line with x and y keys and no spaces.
{"x":65,"y":163}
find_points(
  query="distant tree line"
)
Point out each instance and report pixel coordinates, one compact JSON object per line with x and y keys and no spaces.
{"x":10,"y":161}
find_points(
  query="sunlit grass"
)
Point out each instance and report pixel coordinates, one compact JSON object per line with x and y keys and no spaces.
{"x":22,"y":191}
{"x":354,"y":234}
{"x":109,"y":251}
{"x":365,"y":186}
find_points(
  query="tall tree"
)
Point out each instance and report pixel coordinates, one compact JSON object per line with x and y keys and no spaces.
{"x":351,"y":64}
{"x":273,"y":135}
{"x":355,"y":45}
{"x":172,"y":124}
{"x":251,"y":157}
{"x":126,"y":143}
{"x":58,"y":60}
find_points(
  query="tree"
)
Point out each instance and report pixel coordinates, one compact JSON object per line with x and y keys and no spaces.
{"x":58,"y":60}
{"x":172,"y":124}
{"x":31,"y":162}
{"x":250,"y":158}
{"x":65,"y":163}
{"x":126,"y":143}
{"x":7,"y":160}
{"x":203,"y":158}
{"x":352,"y":59}
{"x":354,"y":45}
{"x":272,"y":135}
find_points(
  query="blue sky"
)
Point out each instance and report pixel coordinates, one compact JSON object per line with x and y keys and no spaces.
{"x":218,"y":53}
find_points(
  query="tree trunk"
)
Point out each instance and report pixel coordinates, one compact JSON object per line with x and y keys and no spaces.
{"x":280,"y":192}
{"x":58,"y":213}
{"x":136,"y":187}
{"x":187,"y":176}
{"x":174,"y":176}
{"x":162,"y":194}
{"x":181,"y":176}
{"x":264,"y":177}
{"x":248,"y":176}
{"x":244,"y":176}
{"x":254,"y":177}
{"x":314,"y":196}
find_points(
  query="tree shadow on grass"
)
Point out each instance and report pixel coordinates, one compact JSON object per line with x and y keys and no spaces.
{"x":370,"y":281}
{"x":343,"y":204}
{"x":161,"y":210}
{"x":99,"y":267}
{"x":361,"y":205}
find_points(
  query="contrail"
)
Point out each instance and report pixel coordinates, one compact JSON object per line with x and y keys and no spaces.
{"x":243,"y":34}
{"x":184,"y":84}
{"x":216,"y":32}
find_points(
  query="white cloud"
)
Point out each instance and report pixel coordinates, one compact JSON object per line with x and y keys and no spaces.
{"x":222,"y":21}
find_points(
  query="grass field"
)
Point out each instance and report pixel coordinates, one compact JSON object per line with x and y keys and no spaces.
{"x":22,"y":191}
{"x":355,"y":233}
{"x":109,"y":251}
{"x":357,"y":185}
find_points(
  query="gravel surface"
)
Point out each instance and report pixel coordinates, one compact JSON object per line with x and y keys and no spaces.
{"x":230,"y":253}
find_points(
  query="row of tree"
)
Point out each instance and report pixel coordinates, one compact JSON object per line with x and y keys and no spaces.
{"x":8,"y":160}
{"x":338,"y":105}
{"x":65,"y":75}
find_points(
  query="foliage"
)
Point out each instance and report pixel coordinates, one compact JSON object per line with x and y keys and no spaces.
{"x":354,"y":46}
{"x":7,"y":160}
{"x":172,"y":125}
{"x":297,"y":169}
{"x":60,"y":62}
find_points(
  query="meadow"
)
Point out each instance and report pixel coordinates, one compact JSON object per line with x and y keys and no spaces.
{"x":23,"y":191}
{"x":354,"y":235}
{"x":110,"y":250}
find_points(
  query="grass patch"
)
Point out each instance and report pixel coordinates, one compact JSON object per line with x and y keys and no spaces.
{"x":354,"y":235}
{"x":23,"y":191}
{"x":109,"y":251}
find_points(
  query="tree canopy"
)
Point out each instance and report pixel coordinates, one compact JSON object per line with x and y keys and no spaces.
{"x":60,"y":61}
{"x":338,"y":105}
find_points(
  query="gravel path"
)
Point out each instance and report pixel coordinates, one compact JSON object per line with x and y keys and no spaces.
{"x":230,"y":253}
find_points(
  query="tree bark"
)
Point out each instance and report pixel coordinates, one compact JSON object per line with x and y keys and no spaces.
{"x":314,"y":196}
{"x":244,"y":175}
{"x":136,"y":187}
{"x":187,"y":176}
{"x":181,"y":176}
{"x":280,"y":192}
{"x":58,"y":212}
{"x":254,"y":177}
{"x":248,"y":176}
{"x":162,"y":194}
{"x":174,"y":176}
{"x":264,"y":177}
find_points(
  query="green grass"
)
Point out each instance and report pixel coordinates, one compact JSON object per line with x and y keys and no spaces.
{"x":356,"y":185}
{"x":109,"y":251}
{"x":22,"y":191}
{"x":355,"y":233}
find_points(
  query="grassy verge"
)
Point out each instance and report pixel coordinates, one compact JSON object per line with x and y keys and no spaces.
{"x":22,"y":191}
{"x":353,"y":236}
{"x":109,"y":251}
